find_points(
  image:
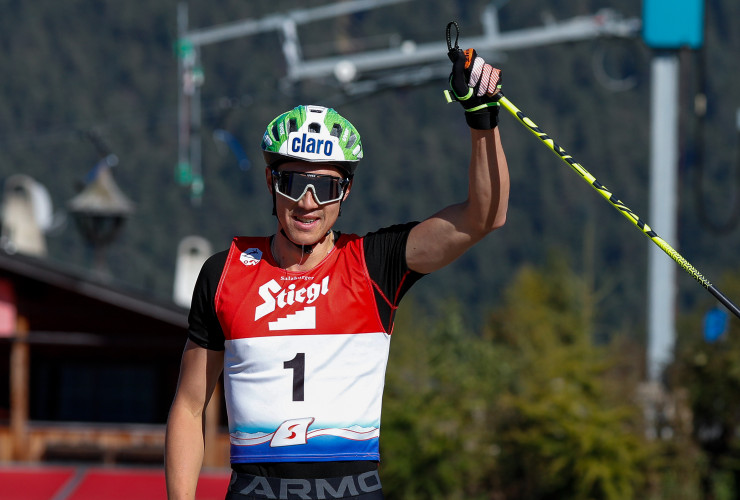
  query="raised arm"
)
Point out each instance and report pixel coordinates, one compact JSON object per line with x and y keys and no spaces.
{"x":445,"y":236}
{"x":184,"y":443}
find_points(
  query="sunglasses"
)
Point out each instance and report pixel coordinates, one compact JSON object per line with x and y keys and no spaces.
{"x":294,"y":185}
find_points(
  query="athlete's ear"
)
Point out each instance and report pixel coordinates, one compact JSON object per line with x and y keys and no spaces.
{"x":347,"y":189}
{"x":268,"y":178}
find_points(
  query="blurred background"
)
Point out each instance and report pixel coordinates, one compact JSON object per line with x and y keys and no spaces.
{"x":129,"y":151}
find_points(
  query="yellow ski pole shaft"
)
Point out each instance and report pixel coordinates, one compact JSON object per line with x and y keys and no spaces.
{"x":617,"y":203}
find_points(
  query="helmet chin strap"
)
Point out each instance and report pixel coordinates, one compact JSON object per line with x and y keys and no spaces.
{"x":307,"y":249}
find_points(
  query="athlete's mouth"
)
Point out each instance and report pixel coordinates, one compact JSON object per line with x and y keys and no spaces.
{"x":305,"y":219}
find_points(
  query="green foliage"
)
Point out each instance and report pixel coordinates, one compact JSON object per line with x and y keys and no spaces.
{"x":437,"y":440}
{"x":710,"y":372}
{"x":677,"y":468}
{"x":561,"y":434}
{"x":526,"y":410}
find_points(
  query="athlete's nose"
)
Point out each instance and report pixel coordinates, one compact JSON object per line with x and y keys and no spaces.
{"x":308,"y":200}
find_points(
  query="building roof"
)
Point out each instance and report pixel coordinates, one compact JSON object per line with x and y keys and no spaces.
{"x":56,"y":297}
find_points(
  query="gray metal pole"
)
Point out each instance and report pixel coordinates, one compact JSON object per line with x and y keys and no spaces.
{"x":663,"y":206}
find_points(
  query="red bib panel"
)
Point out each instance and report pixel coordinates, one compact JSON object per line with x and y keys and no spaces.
{"x":305,"y":356}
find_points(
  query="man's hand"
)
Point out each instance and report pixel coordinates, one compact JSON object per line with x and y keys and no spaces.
{"x":477,"y":85}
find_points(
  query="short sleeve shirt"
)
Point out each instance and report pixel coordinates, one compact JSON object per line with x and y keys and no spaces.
{"x":306,"y":353}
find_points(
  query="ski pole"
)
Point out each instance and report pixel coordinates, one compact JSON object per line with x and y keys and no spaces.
{"x":618,"y":204}
{"x":600,"y":188}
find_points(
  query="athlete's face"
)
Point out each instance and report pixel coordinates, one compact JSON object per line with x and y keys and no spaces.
{"x":306,"y":221}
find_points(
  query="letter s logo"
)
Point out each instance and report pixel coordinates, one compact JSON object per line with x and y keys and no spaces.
{"x":269,"y":301}
{"x":292,"y":433}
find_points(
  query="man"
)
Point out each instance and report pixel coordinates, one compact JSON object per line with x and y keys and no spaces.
{"x":300,"y":322}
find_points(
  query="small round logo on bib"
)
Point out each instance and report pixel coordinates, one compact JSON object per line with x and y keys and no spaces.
{"x":251,"y":256}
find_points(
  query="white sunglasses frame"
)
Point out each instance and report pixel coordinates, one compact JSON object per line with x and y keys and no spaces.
{"x":343,"y":183}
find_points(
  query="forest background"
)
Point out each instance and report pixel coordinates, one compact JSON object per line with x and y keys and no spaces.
{"x":566,"y":272}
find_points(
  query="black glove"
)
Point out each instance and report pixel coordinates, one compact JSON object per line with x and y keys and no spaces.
{"x":477,"y":85}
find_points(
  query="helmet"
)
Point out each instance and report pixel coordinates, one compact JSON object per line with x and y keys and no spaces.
{"x":313,"y":134}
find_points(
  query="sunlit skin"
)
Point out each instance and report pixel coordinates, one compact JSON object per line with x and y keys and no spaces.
{"x":429,"y":245}
{"x":305,"y":221}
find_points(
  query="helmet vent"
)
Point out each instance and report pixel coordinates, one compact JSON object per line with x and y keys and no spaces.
{"x":323,"y":131}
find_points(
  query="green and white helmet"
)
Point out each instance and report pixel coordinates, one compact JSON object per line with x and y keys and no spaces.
{"x":313,"y":134}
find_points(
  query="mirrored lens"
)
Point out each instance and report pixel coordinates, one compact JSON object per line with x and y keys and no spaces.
{"x":294,"y":185}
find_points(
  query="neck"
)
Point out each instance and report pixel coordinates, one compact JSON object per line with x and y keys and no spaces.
{"x":294,"y":257}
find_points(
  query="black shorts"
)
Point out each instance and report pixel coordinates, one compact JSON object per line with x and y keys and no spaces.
{"x":364,"y":486}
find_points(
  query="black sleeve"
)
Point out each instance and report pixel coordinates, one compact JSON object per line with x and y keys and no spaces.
{"x":385,"y":258}
{"x":203,"y":326}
